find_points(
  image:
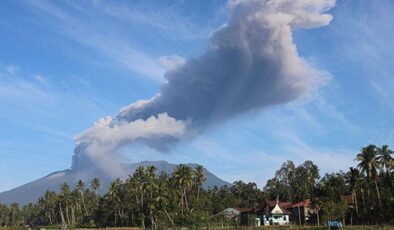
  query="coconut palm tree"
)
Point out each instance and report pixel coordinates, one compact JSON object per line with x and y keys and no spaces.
{"x":95,"y":184}
{"x":199,"y":179}
{"x":164,"y":196}
{"x":64,"y":201}
{"x":183,"y":179}
{"x":14,"y":207}
{"x":113,"y":196}
{"x":137,"y":182}
{"x":353,"y":178}
{"x":369,"y":165}
{"x":384,"y":158}
{"x":81,"y":188}
{"x":152,"y":188}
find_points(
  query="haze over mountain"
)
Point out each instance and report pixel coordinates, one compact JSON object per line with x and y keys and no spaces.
{"x":31,"y":191}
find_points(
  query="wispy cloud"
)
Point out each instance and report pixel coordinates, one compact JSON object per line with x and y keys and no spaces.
{"x":12,"y":69}
{"x":119,"y":31}
{"x":326,"y":158}
{"x":13,"y":85}
{"x":162,"y":19}
{"x":369,"y":46}
{"x":328,"y":109}
{"x":23,"y":93}
{"x":89,"y":31}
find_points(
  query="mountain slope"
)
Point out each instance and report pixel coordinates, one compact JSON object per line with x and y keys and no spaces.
{"x":30,"y":192}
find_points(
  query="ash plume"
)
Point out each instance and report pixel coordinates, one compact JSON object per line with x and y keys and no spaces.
{"x":250,"y":63}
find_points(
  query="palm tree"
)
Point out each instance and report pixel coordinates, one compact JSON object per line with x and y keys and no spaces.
{"x":64,"y":198}
{"x":152,"y":188}
{"x":137,"y":183}
{"x":164,"y":195}
{"x":114,"y":196}
{"x":95,"y":184}
{"x":353,"y":178}
{"x":48,"y":204}
{"x":369,"y":165}
{"x":199,"y":178}
{"x":14,"y":207}
{"x":81,"y":188}
{"x":183,"y":179}
{"x":384,"y":158}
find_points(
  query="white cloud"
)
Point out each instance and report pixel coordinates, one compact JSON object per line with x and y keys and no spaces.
{"x":107,"y":136}
{"x":108,"y":132}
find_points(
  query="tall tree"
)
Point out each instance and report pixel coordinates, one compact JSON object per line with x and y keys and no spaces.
{"x":152,"y":193}
{"x":114,"y":198}
{"x":64,"y":201}
{"x":183,"y":179}
{"x":353,"y":176}
{"x":95,"y":185}
{"x":137,"y":184}
{"x":370,"y":165}
{"x":81,"y":189}
{"x":384,"y":158}
{"x":199,"y":179}
{"x":281,"y":183}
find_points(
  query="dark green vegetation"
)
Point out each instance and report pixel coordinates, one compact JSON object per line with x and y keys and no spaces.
{"x":150,"y":200}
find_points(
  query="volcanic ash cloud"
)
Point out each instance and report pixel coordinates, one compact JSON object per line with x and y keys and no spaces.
{"x":251,"y":62}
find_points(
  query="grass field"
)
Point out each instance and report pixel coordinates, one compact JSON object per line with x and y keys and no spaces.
{"x":370,"y":227}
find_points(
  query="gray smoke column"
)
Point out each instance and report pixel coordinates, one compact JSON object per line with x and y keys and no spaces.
{"x":250,"y":63}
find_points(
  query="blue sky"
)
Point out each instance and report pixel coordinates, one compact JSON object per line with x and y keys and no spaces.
{"x":63,"y":65}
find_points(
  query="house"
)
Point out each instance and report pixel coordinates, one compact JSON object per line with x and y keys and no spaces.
{"x":245,"y":216}
{"x":302,"y":211}
{"x":352,"y":208}
{"x":349,"y":200}
{"x":275,"y":212}
{"x":230,"y":213}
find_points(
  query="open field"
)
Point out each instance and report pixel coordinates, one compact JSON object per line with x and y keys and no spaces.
{"x":370,"y":227}
{"x":373,"y":227}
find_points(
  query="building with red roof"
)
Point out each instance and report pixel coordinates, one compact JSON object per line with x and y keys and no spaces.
{"x":301,"y":211}
{"x":275,"y":212}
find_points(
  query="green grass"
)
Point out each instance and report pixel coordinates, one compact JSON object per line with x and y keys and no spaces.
{"x":372,"y":227}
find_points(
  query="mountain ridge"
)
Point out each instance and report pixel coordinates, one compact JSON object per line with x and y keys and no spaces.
{"x":31,"y":191}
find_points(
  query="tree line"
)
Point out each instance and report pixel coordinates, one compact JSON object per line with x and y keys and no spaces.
{"x":369,"y":187}
{"x":150,"y":199}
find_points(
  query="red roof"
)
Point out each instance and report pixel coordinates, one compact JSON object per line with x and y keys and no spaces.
{"x":305,"y":203}
{"x":284,"y":206}
{"x":270,"y":204}
{"x":348,"y":199}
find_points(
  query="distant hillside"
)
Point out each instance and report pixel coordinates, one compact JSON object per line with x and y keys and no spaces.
{"x":30,"y":192}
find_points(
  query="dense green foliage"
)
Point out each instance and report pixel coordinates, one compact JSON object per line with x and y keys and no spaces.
{"x":150,"y":200}
{"x":371,"y":184}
